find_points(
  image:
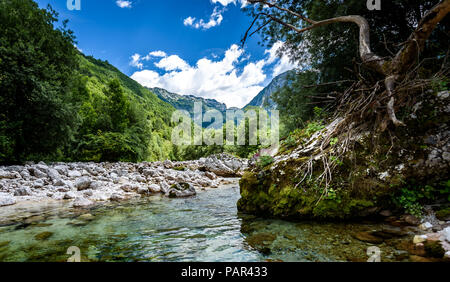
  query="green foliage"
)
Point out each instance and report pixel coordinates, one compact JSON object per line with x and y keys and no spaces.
{"x":265,"y":161}
{"x":336,"y":160}
{"x":313,"y":127}
{"x":294,"y":101}
{"x":37,"y":72}
{"x":334,"y":141}
{"x":411,"y":199}
{"x":440,"y":84}
{"x":58,"y":104}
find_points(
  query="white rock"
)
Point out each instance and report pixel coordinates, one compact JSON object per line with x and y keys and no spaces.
{"x":425,"y":226}
{"x":81,"y":203}
{"x":22,"y":191}
{"x":53,"y":174}
{"x":446,"y":234}
{"x":142,"y":190}
{"x":74,"y":174}
{"x":6,"y":200}
{"x":38,"y":183}
{"x":82,"y":183}
{"x":59,"y":183}
{"x":419,"y":239}
{"x":6,"y":175}
{"x":154,"y":188}
{"x":69,"y":196}
{"x":25,"y":174}
{"x":62,"y":169}
{"x":117,"y":197}
{"x":39,"y":174}
{"x":99,"y":197}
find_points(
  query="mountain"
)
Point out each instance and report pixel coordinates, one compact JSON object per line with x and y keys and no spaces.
{"x":186,"y":102}
{"x":157,"y":113}
{"x":263,"y":99}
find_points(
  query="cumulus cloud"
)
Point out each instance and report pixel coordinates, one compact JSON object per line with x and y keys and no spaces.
{"x":136,"y":61}
{"x":172,"y":63}
{"x":215,"y":79}
{"x":124,"y":4}
{"x":283,"y":63}
{"x":215,"y":19}
{"x":225,"y":80}
{"x":227,"y":2}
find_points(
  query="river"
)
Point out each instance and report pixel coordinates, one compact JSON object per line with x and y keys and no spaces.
{"x":206,"y":227}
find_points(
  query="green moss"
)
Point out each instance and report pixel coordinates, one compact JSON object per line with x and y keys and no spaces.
{"x":179,"y":168}
{"x":443,"y":214}
{"x":434,"y":249}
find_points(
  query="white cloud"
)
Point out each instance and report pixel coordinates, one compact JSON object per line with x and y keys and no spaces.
{"x":218,"y":79}
{"x":215,"y":19}
{"x":189,"y":21}
{"x":227,"y":2}
{"x":284,"y":64}
{"x":172,"y":63}
{"x":136,"y":61}
{"x":222,"y":80}
{"x":124,"y":4}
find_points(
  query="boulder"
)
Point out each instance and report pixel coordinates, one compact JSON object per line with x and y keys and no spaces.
{"x":425,"y":226}
{"x":142,"y":190}
{"x":419,"y":239}
{"x":38,"y":183}
{"x":6,"y":200}
{"x":224,"y":165}
{"x":154,"y":188}
{"x":210,"y":175}
{"x":128,"y":188}
{"x":59,"y":183}
{"x":81,"y":203}
{"x":182,"y":190}
{"x":22,"y":191}
{"x":82,"y":183}
{"x":69,"y":196}
{"x":39,"y":174}
{"x":117,"y":197}
{"x":53,"y":174}
{"x":74,"y":174}
{"x":7,"y":175}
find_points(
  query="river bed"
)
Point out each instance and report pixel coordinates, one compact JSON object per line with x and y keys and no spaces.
{"x":206,"y":227}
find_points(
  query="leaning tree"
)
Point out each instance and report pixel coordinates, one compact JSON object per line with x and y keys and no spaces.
{"x":393,"y":69}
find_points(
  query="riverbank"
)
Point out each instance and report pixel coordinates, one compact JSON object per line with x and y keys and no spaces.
{"x":85,"y":184}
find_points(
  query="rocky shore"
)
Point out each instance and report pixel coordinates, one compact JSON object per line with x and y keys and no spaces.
{"x":84,"y":184}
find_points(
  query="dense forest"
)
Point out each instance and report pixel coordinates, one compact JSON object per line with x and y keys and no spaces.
{"x":58,"y":104}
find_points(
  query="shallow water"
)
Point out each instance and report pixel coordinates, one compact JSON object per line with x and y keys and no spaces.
{"x":203,"y":228}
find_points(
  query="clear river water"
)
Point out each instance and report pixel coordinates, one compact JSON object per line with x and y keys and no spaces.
{"x":206,"y":227}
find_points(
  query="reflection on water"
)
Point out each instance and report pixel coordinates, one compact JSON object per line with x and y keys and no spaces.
{"x":203,"y":228}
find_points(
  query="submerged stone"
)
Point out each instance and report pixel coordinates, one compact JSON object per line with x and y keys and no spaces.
{"x":43,"y":236}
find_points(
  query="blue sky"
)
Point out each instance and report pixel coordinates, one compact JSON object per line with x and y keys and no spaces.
{"x":184,"y":46}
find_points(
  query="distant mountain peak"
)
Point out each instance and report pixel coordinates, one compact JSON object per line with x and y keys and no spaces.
{"x":264,"y":98}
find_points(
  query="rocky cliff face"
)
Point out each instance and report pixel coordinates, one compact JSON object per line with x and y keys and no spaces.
{"x":310,"y":180}
{"x":264,"y":98}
